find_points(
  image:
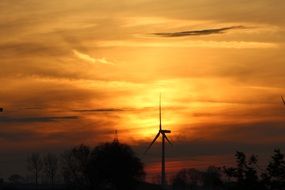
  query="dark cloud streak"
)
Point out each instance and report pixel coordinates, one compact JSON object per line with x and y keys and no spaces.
{"x":198,"y":32}
{"x":35,"y":119}
{"x":101,"y":110}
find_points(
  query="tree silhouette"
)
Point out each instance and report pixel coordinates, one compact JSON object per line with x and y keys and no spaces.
{"x":75,"y":167}
{"x":212,"y":178}
{"x":188,"y":179}
{"x":35,"y":165}
{"x":115,"y":166}
{"x":194,"y":179}
{"x":107,"y":166}
{"x":245,"y":174}
{"x":16,"y":179}
{"x":50,"y":162}
{"x":274,"y":177}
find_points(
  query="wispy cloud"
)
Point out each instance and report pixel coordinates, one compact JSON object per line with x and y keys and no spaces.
{"x":36,"y":119}
{"x":198,"y":32}
{"x":90,"y":59}
{"x":101,"y":110}
{"x":189,"y":44}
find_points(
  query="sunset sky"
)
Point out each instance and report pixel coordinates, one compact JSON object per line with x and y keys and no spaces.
{"x":73,"y":71}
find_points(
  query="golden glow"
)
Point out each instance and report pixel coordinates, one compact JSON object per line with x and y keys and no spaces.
{"x":76,"y":70}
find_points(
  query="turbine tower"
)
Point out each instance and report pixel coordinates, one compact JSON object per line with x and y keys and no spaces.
{"x":161,"y":132}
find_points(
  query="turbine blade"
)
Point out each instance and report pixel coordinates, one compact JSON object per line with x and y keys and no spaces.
{"x":167,"y":139}
{"x":283,"y":100}
{"x":160,"y":111}
{"x":152,"y":142}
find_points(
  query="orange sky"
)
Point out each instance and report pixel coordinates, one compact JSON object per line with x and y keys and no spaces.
{"x":73,"y":71}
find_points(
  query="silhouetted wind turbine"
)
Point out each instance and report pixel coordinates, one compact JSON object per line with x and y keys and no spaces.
{"x":163,"y":137}
{"x":283,"y":100}
{"x":1,"y":109}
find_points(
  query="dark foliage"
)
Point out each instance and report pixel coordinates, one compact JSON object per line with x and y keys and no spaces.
{"x":212,"y":178}
{"x":107,"y":166}
{"x":35,"y":166}
{"x":115,"y":166}
{"x":16,"y":179}
{"x":245,"y":174}
{"x":75,"y":167}
{"x":187,"y":179}
{"x":195,"y":179}
{"x":50,"y":167}
{"x":274,"y":177}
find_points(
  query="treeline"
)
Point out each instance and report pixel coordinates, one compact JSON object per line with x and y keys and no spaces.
{"x":246,"y":175}
{"x":107,"y":166}
{"x":114,"y":166}
{"x":42,"y":169}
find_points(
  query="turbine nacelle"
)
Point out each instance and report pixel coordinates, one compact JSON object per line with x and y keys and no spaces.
{"x":164,"y":131}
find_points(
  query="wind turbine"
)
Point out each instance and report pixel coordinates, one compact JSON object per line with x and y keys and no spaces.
{"x":1,"y":109}
{"x":283,"y":100}
{"x":161,"y":132}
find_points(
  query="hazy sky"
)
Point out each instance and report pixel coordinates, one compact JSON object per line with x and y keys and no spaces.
{"x":73,"y":71}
